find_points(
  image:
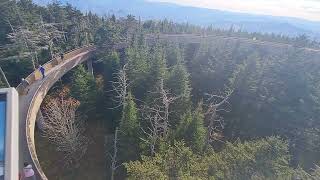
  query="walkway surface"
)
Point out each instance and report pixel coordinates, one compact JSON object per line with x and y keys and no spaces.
{"x":197,"y":38}
{"x":30,"y":103}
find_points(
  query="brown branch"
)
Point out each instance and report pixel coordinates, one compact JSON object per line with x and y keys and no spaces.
{"x":64,"y":129}
{"x":215,"y":122}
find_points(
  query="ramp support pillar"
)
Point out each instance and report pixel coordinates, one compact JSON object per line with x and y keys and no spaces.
{"x":90,"y":67}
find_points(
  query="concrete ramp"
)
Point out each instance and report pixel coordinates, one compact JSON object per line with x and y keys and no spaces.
{"x":30,"y":102}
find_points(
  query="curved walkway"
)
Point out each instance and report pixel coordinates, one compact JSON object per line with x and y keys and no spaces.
{"x":197,"y":38}
{"x":29,"y":104}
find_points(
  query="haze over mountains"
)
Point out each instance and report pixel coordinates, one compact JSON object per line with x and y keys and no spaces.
{"x":199,"y":16}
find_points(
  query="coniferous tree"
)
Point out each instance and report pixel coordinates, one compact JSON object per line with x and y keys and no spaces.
{"x":158,"y":68}
{"x":138,"y":68}
{"x":179,"y":85}
{"x":247,"y":160}
{"x":197,"y":130}
{"x":129,"y":130}
{"x":173,"y":55}
{"x":191,"y":129}
{"x":110,"y":64}
{"x":84,"y":89}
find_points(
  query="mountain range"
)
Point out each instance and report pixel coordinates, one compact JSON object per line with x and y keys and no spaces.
{"x":198,"y":16}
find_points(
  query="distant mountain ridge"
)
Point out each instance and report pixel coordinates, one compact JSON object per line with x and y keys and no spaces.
{"x":199,"y":16}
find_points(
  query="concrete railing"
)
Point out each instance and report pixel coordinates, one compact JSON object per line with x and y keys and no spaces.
{"x":70,"y":60}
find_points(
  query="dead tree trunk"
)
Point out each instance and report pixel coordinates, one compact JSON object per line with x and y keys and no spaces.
{"x":120,"y":87}
{"x":4,"y":78}
{"x":215,"y":123}
{"x":114,"y":165}
{"x":157,"y":115}
{"x":64,"y":129}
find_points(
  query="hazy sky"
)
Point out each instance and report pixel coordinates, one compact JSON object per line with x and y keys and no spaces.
{"x":306,"y":9}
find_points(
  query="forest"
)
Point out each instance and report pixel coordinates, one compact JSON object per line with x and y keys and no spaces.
{"x":218,"y":109}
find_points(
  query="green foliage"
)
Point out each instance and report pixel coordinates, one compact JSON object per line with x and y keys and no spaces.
{"x":191,"y":129}
{"x":158,"y":68}
{"x":129,"y":122}
{"x":265,"y":159}
{"x":129,"y":130}
{"x":147,"y":169}
{"x":197,"y":130}
{"x":178,"y":81}
{"x":179,"y":85}
{"x":313,"y":175}
{"x":84,"y":89}
{"x":183,"y":126}
{"x":276,"y":90}
{"x":138,"y":69}
{"x":173,"y":55}
{"x":108,"y":35}
{"x":174,"y":162}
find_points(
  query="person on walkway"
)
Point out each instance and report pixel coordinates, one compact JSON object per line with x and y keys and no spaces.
{"x":42,"y":70}
{"x":28,"y":172}
{"x":25,"y":84}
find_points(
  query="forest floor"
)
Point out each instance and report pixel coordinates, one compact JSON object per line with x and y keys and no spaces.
{"x":92,"y":166}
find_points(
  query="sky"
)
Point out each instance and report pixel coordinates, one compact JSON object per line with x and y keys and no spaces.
{"x":305,"y":9}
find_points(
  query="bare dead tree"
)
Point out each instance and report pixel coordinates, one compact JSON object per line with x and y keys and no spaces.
{"x":84,"y":28}
{"x":215,"y":122}
{"x":64,"y":129}
{"x":120,"y":87}
{"x":113,"y":156}
{"x":167,"y":100}
{"x":155,"y":129}
{"x":4,"y":78}
{"x":25,"y":41}
{"x":29,"y":41}
{"x":157,"y":116}
{"x":50,"y":34}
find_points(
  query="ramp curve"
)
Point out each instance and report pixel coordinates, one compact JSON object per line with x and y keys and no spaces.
{"x":30,"y":102}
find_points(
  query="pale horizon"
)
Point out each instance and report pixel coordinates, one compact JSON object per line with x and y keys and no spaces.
{"x":303,"y":9}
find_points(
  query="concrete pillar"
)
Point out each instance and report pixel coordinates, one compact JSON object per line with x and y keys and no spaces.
{"x":40,"y":121}
{"x":90,"y":68}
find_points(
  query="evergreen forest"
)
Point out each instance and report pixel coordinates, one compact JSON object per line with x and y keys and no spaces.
{"x":217,"y":108}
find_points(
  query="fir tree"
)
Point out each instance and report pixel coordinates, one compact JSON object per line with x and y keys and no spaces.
{"x":179,"y":85}
{"x":191,"y":129}
{"x":129,"y":130}
{"x":84,"y":89}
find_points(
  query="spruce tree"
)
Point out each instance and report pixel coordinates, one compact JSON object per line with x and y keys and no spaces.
{"x":129,"y":130}
{"x":84,"y":89}
{"x":138,"y":69}
{"x":158,"y":68}
{"x":197,"y":130}
{"x":179,"y":85}
{"x":191,"y":129}
{"x":173,"y":55}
